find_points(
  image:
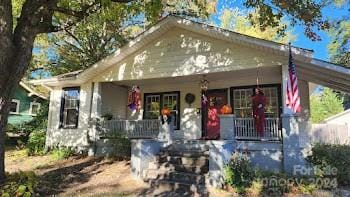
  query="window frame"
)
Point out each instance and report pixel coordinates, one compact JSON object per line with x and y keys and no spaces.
{"x":161,"y":97}
{"x":31,"y":107}
{"x":18,"y":102}
{"x":279,"y":95}
{"x":62,"y":124}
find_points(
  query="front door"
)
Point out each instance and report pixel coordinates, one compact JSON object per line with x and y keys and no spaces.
{"x":211,"y":121}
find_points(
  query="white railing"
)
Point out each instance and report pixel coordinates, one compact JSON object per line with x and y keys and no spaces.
{"x":245,"y":129}
{"x":132,"y":128}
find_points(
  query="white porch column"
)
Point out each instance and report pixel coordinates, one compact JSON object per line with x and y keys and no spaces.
{"x":227,"y":129}
{"x":96,"y":100}
{"x":95,"y":114}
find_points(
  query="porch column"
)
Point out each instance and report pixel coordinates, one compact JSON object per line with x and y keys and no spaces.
{"x":95,"y":114}
{"x":227,"y":129}
{"x":96,"y":100}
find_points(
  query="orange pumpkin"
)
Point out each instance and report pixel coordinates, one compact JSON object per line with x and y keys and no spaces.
{"x":226,"y":109}
{"x":165,"y":111}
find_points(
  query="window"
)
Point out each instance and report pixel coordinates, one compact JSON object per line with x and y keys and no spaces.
{"x":242,"y":101}
{"x":34,"y":108}
{"x":70,"y":108}
{"x":14,"y":106}
{"x":154,"y":102}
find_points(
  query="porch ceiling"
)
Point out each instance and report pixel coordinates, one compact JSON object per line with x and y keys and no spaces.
{"x":325,"y":74}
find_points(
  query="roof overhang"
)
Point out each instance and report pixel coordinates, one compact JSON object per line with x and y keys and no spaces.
{"x":299,"y":54}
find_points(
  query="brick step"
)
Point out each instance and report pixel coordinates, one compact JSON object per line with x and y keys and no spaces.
{"x":173,"y":188}
{"x":183,"y":177}
{"x":184,"y":153}
{"x":198,"y":169}
{"x":183,"y":160}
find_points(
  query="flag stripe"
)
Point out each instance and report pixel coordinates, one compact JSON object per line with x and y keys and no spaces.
{"x":293,"y":98}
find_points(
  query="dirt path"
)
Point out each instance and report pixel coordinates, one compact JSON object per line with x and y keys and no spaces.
{"x":78,"y":176}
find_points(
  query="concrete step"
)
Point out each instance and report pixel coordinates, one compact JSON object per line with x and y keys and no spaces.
{"x":198,"y":169}
{"x":181,"y":146}
{"x":182,"y":177}
{"x":173,"y":188}
{"x":183,"y":160}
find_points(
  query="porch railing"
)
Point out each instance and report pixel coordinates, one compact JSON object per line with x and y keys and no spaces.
{"x":132,"y":128}
{"x":245,"y":129}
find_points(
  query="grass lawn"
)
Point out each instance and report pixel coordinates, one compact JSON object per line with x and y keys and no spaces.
{"x":77,"y":176}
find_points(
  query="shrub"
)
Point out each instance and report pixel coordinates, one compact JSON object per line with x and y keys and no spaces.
{"x":62,"y":153}
{"x":239,"y":172}
{"x":36,"y":143}
{"x":326,"y":156}
{"x":20,"y":184}
{"x":120,"y":142}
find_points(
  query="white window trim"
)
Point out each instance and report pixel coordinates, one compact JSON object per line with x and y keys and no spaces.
{"x":31,"y":107}
{"x":17,"y":107}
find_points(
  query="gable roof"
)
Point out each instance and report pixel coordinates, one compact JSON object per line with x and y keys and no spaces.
{"x":164,"y":25}
{"x":31,"y":90}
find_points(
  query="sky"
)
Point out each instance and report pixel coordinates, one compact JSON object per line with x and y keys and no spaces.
{"x":319,"y":47}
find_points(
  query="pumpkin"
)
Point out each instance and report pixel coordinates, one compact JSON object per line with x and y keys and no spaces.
{"x":226,"y":109}
{"x":165,"y":111}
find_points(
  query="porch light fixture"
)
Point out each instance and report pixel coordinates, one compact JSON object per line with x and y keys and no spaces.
{"x":204,"y":84}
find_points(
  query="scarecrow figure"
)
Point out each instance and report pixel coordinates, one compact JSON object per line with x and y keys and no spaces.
{"x":259,"y":103}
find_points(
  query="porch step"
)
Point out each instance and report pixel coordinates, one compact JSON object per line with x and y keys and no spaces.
{"x":183,"y":177}
{"x":180,"y":169}
{"x":196,"y":169}
{"x":184,"y":153}
{"x":173,"y":188}
{"x":200,"y":160}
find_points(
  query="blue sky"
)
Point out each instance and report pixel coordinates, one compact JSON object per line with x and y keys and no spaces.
{"x":319,"y":47}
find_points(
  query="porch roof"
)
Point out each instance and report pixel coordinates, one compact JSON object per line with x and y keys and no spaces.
{"x":317,"y":71}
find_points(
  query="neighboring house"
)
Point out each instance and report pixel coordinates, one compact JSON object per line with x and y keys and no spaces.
{"x":340,"y":118}
{"x":25,"y":104}
{"x":170,"y":61}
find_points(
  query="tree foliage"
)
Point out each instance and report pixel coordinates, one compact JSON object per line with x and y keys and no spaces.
{"x":325,"y":105}
{"x":239,"y":22}
{"x":339,"y":48}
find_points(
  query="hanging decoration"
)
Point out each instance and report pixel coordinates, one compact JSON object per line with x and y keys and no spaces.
{"x":134,"y":98}
{"x":204,"y":84}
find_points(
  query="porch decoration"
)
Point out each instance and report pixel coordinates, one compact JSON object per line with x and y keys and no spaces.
{"x":189,"y":98}
{"x":204,"y":85}
{"x":166,"y":115}
{"x":165,"y":111}
{"x":259,"y":103}
{"x":226,"y":109}
{"x":134,"y":98}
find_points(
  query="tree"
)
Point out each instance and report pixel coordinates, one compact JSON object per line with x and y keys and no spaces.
{"x":339,"y":48}
{"x":21,"y":21}
{"x":238,"y":21}
{"x":325,"y":105}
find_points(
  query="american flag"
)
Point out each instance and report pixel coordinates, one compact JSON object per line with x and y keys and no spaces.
{"x":293,"y":98}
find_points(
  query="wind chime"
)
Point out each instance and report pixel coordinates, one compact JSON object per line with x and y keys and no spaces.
{"x":134,"y":98}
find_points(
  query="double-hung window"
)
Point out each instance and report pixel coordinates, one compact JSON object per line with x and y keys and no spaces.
{"x":155,"y":102}
{"x":14,"y":106}
{"x":70,"y":108}
{"x":34,"y":108}
{"x":242,"y":101}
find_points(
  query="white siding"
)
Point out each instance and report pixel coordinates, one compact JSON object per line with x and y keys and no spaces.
{"x":180,"y":52}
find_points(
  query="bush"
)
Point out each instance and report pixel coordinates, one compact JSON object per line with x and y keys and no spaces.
{"x":62,"y":153}
{"x":20,"y":184}
{"x":36,"y":143}
{"x":120,"y":142}
{"x":326,"y":156}
{"x":239,"y":172}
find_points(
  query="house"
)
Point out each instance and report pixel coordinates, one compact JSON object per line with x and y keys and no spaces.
{"x":171,"y":64}
{"x":25,"y":104}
